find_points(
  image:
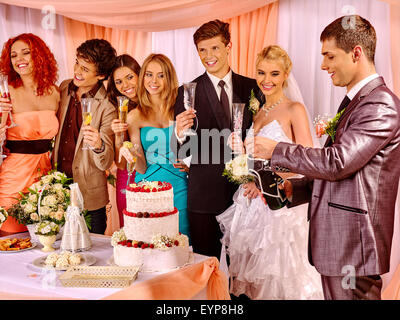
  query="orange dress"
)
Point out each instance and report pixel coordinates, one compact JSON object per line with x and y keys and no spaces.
{"x":19,"y":171}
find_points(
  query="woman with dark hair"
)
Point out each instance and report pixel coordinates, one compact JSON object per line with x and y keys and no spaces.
{"x":32,"y":74}
{"x":150,"y":129}
{"x":123,"y":81}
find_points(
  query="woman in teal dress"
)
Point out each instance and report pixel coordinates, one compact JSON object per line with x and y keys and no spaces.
{"x":150,"y":128}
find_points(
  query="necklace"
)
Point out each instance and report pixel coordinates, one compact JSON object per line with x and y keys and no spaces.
{"x":267,"y":110}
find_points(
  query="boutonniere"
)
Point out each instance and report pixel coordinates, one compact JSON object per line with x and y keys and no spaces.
{"x":254,"y":104}
{"x":326,"y":125}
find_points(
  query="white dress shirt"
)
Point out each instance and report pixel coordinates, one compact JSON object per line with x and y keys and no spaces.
{"x":228,"y":86}
{"x":352,"y":93}
{"x":228,"y":89}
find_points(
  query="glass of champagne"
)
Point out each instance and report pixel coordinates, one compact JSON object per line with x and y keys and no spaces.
{"x":122,"y":111}
{"x":189,"y":91}
{"x":86,"y":104}
{"x":237,"y":121}
{"x":5,"y":93}
{"x":130,"y":167}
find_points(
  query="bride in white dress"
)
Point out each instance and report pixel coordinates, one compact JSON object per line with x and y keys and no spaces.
{"x":268,"y":249}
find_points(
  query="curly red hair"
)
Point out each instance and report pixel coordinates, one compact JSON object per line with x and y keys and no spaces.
{"x":45,"y":68}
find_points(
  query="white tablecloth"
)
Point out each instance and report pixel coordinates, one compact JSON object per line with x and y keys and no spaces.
{"x":19,"y":276}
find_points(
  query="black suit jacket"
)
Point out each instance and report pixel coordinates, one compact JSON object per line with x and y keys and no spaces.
{"x":208,"y":191}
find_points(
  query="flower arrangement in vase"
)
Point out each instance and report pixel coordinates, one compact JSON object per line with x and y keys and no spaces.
{"x":46,"y":200}
{"x":47,"y":232}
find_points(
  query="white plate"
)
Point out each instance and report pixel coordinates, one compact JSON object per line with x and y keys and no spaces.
{"x":111,"y":262}
{"x":87,"y":260}
{"x":34,"y":244}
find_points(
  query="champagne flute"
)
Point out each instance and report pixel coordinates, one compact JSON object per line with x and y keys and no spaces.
{"x":5,"y":93}
{"x":189,"y":91}
{"x":237,"y":110}
{"x":130,"y":167}
{"x":122,"y":111}
{"x":86,"y":104}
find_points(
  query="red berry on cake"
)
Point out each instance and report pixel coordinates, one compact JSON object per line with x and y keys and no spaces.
{"x":176,"y":243}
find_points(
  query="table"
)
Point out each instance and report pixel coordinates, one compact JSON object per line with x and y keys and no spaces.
{"x":19,"y":279}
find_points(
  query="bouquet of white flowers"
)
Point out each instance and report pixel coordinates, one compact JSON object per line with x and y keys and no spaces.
{"x":237,"y":170}
{"x":3,"y":215}
{"x":46,"y":199}
{"x":47,"y":228}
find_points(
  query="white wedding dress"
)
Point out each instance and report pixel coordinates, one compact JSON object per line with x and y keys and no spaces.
{"x":268,"y":248}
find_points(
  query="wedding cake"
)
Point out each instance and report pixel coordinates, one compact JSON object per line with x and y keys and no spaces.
{"x":150,"y":236}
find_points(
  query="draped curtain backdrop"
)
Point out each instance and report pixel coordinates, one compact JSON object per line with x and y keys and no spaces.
{"x":146,"y":15}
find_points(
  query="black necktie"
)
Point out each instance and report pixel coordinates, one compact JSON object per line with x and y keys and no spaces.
{"x":225,"y":102}
{"x":344,"y":103}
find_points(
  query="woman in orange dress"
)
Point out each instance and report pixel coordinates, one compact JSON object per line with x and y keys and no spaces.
{"x":32,"y":73}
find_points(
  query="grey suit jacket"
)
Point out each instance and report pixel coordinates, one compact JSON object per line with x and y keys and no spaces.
{"x":351,"y":185}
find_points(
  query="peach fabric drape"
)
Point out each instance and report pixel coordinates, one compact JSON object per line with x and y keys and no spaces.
{"x":135,"y":43}
{"x":250,"y":33}
{"x":180,"y":284}
{"x":146,"y":15}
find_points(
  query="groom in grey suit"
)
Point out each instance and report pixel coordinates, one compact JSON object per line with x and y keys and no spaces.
{"x":351,"y":183}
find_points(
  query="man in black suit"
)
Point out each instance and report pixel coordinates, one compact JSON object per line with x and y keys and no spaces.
{"x":209,"y":193}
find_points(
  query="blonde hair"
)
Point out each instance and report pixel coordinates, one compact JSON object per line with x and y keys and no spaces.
{"x":170,"y":91}
{"x":275,"y":53}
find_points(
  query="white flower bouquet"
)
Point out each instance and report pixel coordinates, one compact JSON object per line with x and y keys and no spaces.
{"x":54,"y":195}
{"x":3,"y":215}
{"x":47,"y":228}
{"x":237,"y":170}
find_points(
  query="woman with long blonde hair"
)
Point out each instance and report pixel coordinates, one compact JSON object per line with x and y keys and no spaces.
{"x":150,"y":128}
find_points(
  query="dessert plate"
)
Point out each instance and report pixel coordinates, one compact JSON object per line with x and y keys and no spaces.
{"x":87,"y":260}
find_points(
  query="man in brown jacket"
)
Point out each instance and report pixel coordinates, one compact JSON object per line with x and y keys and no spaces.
{"x":94,"y":61}
{"x":351,"y":183}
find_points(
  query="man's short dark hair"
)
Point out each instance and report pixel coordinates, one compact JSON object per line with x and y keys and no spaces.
{"x":101,"y":53}
{"x":350,"y":31}
{"x":212,"y":29}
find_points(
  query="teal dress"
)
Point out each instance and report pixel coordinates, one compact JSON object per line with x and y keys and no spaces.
{"x":160,"y":159}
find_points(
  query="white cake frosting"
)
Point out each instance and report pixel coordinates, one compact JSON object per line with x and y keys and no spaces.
{"x":145,"y":228}
{"x":150,"y":236}
{"x":149,"y":201}
{"x":151,"y":259}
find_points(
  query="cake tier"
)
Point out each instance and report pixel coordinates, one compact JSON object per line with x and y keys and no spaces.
{"x":150,"y":197}
{"x":143,"y":229}
{"x":152,"y":259}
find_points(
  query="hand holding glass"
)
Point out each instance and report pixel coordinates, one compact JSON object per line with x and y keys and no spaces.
{"x":130,"y":165}
{"x":86,"y":104}
{"x":237,"y":121}
{"x":189,"y":92}
{"x":122,"y":111}
{"x":5,"y":93}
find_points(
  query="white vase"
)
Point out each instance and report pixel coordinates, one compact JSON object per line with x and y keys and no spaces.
{"x":31,"y":228}
{"x":47,"y":242}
